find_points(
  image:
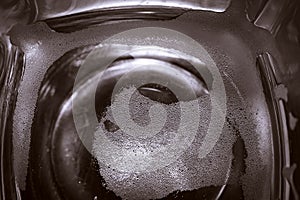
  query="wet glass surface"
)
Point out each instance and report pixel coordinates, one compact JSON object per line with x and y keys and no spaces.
{"x":52,"y":162}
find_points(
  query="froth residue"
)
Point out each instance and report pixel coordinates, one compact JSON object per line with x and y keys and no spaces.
{"x":186,"y":173}
{"x":237,"y":159}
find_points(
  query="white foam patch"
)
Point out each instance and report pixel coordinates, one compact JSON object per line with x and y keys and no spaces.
{"x":188,"y":172}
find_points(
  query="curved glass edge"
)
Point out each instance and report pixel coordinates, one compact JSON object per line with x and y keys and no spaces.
{"x":11,"y":71}
{"x":281,"y":20}
{"x":47,"y":9}
{"x":276,"y":96}
{"x":79,"y":21}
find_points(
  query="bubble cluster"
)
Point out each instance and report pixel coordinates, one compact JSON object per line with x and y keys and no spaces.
{"x":188,"y":172}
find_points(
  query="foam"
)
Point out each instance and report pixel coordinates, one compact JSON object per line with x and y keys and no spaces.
{"x":187,"y":173}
